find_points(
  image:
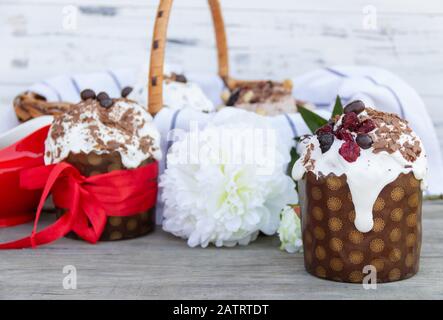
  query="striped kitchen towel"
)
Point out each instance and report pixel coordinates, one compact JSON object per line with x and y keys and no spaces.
{"x":375,"y":86}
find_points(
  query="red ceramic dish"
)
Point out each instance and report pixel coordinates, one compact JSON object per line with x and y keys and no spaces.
{"x":16,"y":204}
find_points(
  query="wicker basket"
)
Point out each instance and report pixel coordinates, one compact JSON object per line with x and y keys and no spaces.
{"x":156,"y":75}
{"x":29,"y":105}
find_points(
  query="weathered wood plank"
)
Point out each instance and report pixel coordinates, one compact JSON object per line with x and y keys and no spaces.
{"x":160,"y":266}
{"x":292,"y":39}
{"x":407,"y":6}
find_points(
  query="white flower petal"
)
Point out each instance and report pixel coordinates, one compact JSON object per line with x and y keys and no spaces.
{"x":223,"y":203}
{"x":290,"y":231}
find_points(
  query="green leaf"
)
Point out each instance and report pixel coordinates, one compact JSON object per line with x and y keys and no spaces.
{"x":338,"y":107}
{"x":312,"y":120}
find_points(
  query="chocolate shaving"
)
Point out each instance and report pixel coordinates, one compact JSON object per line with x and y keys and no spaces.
{"x":124,"y":124}
{"x":390,"y":128}
{"x":309,"y":163}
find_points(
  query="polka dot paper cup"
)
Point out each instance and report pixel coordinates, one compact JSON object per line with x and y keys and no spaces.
{"x":334,"y":249}
{"x":116,"y":228}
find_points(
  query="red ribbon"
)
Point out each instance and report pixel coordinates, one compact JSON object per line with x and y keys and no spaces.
{"x":88,"y":201}
{"x":18,"y":205}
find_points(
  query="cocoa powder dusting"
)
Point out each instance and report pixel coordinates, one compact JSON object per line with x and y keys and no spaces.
{"x":57,"y":130}
{"x":123,"y":124}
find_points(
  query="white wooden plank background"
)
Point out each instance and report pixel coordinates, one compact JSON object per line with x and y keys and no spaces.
{"x":274,"y":39}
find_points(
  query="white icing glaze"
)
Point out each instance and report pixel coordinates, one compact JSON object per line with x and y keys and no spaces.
{"x":366,"y":177}
{"x":176,"y":95}
{"x":179,"y":95}
{"x":77,"y":136}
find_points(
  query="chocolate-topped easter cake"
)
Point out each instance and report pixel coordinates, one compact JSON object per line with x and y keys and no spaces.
{"x":101,"y":135}
{"x":29,"y":105}
{"x":361,"y":178}
{"x":178,"y":93}
{"x":263,"y":97}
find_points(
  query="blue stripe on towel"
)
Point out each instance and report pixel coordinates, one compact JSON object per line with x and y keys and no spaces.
{"x":291,"y":125}
{"x":402,"y":111}
{"x":116,"y":81}
{"x":324,"y":105}
{"x":171,"y":128}
{"x":338,"y":73}
{"x":75,"y":84}
{"x":59,"y":97}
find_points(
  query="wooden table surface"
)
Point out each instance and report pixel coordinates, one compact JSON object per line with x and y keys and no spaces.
{"x":160,"y":266}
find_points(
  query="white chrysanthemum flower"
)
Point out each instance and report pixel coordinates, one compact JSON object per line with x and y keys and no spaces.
{"x":290,"y":231}
{"x":224,"y":186}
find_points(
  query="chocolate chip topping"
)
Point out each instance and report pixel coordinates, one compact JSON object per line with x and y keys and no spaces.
{"x":106,"y":103}
{"x":126,"y":91}
{"x":102,"y":95}
{"x":356,"y":106}
{"x":364,"y":141}
{"x":326,"y":140}
{"x":87,"y":94}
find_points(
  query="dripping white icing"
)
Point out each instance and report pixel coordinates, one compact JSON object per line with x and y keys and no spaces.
{"x":366,"y":177}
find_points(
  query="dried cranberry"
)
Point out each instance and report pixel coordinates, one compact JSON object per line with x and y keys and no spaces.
{"x":350,"y":151}
{"x":366,"y":126}
{"x":350,"y":121}
{"x":326,"y":140}
{"x":364,"y":140}
{"x":356,"y":106}
{"x":344,"y":134}
{"x":325,"y":129}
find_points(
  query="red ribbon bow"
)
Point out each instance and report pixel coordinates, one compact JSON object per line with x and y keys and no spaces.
{"x":88,"y":201}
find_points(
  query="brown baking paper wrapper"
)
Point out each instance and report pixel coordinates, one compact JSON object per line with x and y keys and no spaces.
{"x":334,"y":249}
{"x":116,"y":228}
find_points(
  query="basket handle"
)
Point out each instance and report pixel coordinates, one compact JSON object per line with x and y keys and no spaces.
{"x":155,"y":83}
